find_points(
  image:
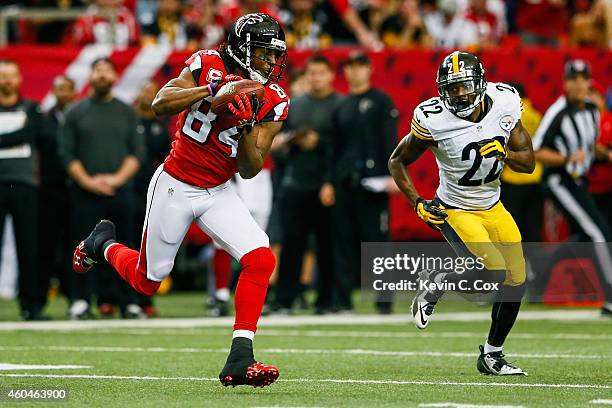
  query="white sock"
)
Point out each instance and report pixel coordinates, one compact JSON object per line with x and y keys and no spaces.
{"x":223,"y":294}
{"x":244,"y":333}
{"x":106,"y":250}
{"x":491,"y":349}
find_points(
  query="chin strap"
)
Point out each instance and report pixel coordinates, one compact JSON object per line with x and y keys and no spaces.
{"x":253,"y":74}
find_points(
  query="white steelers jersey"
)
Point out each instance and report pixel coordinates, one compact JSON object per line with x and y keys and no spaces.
{"x":467,"y":180}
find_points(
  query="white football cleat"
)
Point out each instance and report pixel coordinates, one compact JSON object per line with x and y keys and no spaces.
{"x":494,"y":363}
{"x":422,"y":309}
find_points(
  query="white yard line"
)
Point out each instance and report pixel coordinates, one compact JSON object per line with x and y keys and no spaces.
{"x":312,"y":380}
{"x":13,"y":367}
{"x":292,"y":321}
{"x":354,"y":334}
{"x":362,"y":352}
{"x":460,"y":405}
{"x":601,"y":401}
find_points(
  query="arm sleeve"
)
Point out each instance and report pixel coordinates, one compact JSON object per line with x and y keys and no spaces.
{"x":277,"y":114}
{"x":418,"y":126}
{"x":29,"y":133}
{"x":515,"y":106}
{"x":195,"y":66}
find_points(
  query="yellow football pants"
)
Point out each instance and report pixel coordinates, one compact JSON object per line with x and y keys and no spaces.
{"x":492,"y":235}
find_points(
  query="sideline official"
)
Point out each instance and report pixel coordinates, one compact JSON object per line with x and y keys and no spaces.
{"x":566,"y":143}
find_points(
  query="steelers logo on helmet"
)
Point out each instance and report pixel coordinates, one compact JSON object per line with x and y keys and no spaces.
{"x":256,"y":43}
{"x":461,"y":83}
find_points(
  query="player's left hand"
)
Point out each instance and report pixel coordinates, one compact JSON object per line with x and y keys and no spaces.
{"x":492,"y":148}
{"x":243,"y":110}
{"x":215,"y":85}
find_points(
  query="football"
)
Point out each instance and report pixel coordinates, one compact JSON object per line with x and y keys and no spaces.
{"x":226,"y":94}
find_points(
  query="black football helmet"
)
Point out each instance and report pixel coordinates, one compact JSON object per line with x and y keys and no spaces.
{"x":461,"y":83}
{"x":257,"y":30}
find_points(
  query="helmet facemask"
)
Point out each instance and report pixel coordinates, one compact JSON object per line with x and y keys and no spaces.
{"x":462,"y":95}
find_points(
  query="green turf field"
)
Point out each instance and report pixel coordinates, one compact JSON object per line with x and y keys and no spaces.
{"x":331,"y":365}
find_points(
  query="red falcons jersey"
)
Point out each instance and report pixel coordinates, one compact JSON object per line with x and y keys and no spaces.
{"x":205,"y":146}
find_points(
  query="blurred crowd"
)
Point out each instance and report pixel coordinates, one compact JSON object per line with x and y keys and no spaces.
{"x":325,"y":191}
{"x":319,"y":24}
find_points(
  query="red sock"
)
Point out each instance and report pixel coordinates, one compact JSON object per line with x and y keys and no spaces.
{"x":125,"y":262}
{"x":222,"y":263}
{"x":257,"y":266}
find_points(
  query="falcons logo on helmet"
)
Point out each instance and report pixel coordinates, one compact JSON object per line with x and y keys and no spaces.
{"x":245,"y":20}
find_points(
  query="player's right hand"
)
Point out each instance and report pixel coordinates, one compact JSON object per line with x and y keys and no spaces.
{"x":215,"y":85}
{"x":243,"y":110}
{"x":430,"y":212}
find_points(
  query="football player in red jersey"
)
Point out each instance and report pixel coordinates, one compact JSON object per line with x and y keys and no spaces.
{"x":193,"y":183}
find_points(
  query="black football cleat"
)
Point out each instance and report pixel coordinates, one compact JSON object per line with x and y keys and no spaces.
{"x":257,"y":375}
{"x":242,"y":369}
{"x":494,"y":364}
{"x":89,"y":251}
{"x":218,"y":307}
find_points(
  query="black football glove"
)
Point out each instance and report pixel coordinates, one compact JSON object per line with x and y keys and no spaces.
{"x":430,"y":212}
{"x":492,"y":148}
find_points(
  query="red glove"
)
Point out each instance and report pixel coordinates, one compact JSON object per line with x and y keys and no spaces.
{"x":215,"y":85}
{"x":242,"y":109}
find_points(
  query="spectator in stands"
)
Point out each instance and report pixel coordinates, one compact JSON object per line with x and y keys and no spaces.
{"x":308,"y":139}
{"x":450,"y":29}
{"x":376,"y":12}
{"x":590,"y":27}
{"x":230,"y":12}
{"x":205,"y":25}
{"x":346,"y":26}
{"x":95,"y":26}
{"x":20,"y":127}
{"x":167,"y":27}
{"x":154,"y":132}
{"x":542,"y":22}
{"x":54,"y":231}
{"x":406,"y":29}
{"x":43,"y":31}
{"x":299,"y":84}
{"x":365,"y":134}
{"x":521,"y":192}
{"x":305,"y":25}
{"x":488,"y":26}
{"x":102,"y":151}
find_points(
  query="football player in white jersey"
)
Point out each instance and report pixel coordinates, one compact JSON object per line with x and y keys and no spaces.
{"x":474,"y":129}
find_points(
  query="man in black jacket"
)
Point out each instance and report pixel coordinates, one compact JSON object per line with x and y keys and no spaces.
{"x":364,"y":137}
{"x":20,"y":125}
{"x":309,"y":137}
